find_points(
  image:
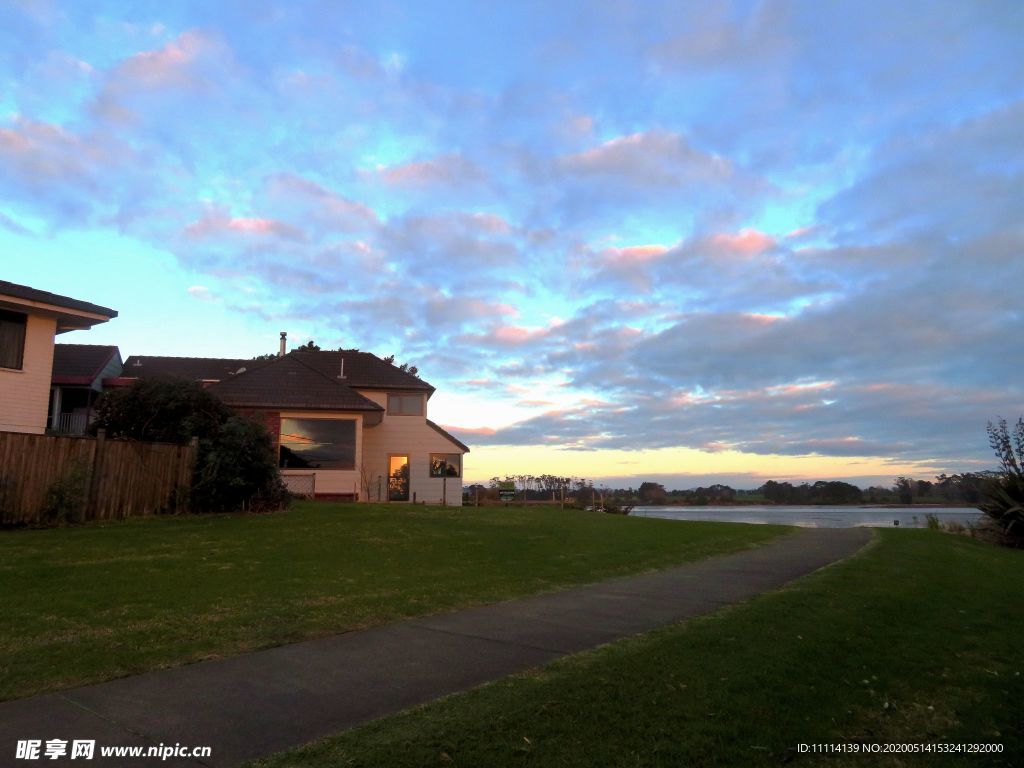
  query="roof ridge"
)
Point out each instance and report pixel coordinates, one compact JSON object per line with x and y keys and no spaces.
{"x":188,"y":357}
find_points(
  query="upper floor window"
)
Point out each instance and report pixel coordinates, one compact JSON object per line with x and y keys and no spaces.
{"x":405,"y":405}
{"x":12,"y":339}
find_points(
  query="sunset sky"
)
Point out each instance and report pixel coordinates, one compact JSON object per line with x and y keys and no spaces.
{"x":685,"y":242}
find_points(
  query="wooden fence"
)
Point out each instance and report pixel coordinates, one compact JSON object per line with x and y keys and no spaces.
{"x":47,"y":479}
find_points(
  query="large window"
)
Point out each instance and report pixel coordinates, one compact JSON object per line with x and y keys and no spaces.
{"x":12,"y":339}
{"x":405,"y":405}
{"x":318,"y":444}
{"x":445,"y":465}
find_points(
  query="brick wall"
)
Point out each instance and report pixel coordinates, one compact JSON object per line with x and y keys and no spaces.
{"x":269,"y":419}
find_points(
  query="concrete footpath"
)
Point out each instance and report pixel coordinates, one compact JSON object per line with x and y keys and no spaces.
{"x":259,"y":703}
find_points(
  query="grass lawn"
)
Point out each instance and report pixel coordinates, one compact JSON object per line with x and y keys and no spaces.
{"x":96,"y":602}
{"x":917,"y":639}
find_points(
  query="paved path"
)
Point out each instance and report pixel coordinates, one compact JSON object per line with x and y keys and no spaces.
{"x":260,"y":703}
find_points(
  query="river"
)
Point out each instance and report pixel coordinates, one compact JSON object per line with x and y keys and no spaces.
{"x":817,"y":516}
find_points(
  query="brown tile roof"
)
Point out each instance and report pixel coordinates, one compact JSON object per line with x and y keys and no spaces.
{"x":363,"y":370}
{"x":34,"y":294}
{"x":290,"y":382}
{"x":80,"y":363}
{"x":443,"y":431}
{"x":192,"y":368}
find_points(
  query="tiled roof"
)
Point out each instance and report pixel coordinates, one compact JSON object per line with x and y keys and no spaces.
{"x":290,"y":382}
{"x":80,"y":363}
{"x":192,"y":368}
{"x":363,"y":370}
{"x":34,"y":294}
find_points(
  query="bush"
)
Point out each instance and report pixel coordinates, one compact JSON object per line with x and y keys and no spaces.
{"x":1004,"y":502}
{"x":66,"y":498}
{"x":236,"y":467}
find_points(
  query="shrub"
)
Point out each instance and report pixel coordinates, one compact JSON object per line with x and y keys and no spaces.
{"x":66,"y":498}
{"x":235,"y":465}
{"x":1004,"y":501}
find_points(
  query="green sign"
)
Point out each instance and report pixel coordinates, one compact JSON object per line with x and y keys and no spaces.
{"x":507,"y":490}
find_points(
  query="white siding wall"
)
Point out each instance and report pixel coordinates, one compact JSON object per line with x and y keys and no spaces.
{"x":25,"y":394}
{"x":332,"y":480}
{"x":410,"y":435}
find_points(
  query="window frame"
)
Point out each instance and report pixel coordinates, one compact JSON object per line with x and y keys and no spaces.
{"x":11,"y":318}
{"x":404,"y":397}
{"x":281,"y":443}
{"x":448,"y":463}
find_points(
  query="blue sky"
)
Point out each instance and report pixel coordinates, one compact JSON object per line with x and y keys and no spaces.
{"x":686,"y":241}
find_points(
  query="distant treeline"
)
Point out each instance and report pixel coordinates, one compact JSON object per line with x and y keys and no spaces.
{"x":966,"y":488}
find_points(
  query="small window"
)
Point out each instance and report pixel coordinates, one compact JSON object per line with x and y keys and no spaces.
{"x":12,"y":339}
{"x":405,"y":405}
{"x":445,"y":465}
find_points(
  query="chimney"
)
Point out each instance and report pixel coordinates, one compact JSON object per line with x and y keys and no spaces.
{"x":284,"y":344}
{"x":341,"y":374}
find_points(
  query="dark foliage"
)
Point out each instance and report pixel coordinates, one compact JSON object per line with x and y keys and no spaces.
{"x":236,"y":467}
{"x":821,"y":492}
{"x":1004,"y":496}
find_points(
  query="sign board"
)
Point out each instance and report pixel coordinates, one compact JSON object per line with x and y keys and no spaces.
{"x":507,"y":490}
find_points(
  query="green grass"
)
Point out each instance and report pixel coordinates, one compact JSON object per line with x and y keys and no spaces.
{"x":915,"y":640}
{"x":96,"y":602}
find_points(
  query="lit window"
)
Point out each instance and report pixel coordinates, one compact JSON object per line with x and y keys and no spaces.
{"x":12,"y":339}
{"x":445,"y":465}
{"x":405,"y":405}
{"x":318,"y":444}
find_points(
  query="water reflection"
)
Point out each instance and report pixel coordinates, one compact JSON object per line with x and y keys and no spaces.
{"x":817,"y":517}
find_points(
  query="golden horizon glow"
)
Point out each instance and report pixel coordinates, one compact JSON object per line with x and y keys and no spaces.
{"x":485,"y":462}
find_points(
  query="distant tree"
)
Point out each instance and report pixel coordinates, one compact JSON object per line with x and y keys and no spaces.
{"x":904,"y":488}
{"x":309,"y":346}
{"x":652,"y":493}
{"x":407,"y":367}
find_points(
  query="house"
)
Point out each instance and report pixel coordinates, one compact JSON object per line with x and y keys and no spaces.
{"x":77,"y":380}
{"x":29,"y":321}
{"x":346,"y":424}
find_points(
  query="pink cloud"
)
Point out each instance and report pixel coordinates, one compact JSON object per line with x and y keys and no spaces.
{"x":634,"y":254}
{"x":656,"y":157}
{"x":192,"y":61}
{"x":469,"y":430}
{"x":517,"y":334}
{"x":40,"y":152}
{"x":763,"y":319}
{"x":167,"y":66}
{"x":748,"y":242}
{"x":216,"y":224}
{"x":443,"y":170}
{"x":286,"y":190}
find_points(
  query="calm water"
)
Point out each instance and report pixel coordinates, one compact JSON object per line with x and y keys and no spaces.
{"x":815,"y":517}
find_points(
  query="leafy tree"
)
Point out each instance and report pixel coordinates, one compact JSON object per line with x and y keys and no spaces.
{"x":235,"y":465}
{"x":407,"y":367}
{"x":1005,"y":495}
{"x":904,"y":487}
{"x":652,"y":493}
